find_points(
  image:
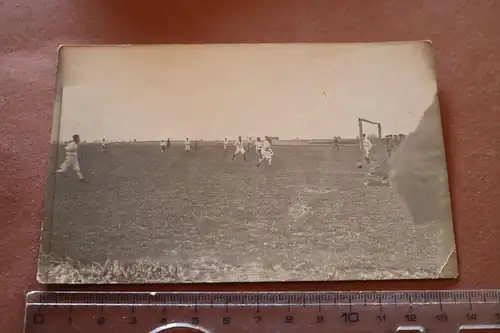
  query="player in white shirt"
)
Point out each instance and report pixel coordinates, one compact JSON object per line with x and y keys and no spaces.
{"x":71,"y":158}
{"x":267,"y":152}
{"x":249,"y":143}
{"x":240,"y":150}
{"x":367,"y":147}
{"x":163,"y":146}
{"x":187,"y":145}
{"x":104,"y":145}
{"x":225,"y":144}
{"x":258,"y":148}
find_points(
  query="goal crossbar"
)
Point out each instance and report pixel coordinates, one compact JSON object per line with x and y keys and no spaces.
{"x":368,"y":121}
{"x":360,"y":125}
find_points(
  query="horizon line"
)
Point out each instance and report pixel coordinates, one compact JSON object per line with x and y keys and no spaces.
{"x":212,"y":140}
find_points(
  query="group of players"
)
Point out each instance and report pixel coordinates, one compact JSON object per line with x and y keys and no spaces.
{"x":393,"y":141}
{"x":263,"y":151}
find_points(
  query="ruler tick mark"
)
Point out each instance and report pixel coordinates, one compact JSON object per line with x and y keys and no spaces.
{"x":456,"y":307}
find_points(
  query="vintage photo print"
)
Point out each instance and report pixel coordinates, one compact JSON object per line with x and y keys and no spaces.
{"x":246,"y":163}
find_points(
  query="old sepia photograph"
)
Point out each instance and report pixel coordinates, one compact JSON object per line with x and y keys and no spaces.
{"x":246,"y":163}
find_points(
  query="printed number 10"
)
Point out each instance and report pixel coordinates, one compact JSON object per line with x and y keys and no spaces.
{"x":350,"y":317}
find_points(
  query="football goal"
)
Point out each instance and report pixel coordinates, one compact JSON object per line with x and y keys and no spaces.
{"x":372,"y":129}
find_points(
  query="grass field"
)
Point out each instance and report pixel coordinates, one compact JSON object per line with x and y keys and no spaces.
{"x":198,"y":217}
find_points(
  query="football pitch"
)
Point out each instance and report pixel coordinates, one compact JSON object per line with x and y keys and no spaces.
{"x":310,"y":216}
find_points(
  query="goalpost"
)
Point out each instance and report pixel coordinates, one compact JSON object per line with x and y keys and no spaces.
{"x":361,"y":130}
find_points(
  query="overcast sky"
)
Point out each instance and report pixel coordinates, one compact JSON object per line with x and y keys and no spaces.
{"x":217,"y":91}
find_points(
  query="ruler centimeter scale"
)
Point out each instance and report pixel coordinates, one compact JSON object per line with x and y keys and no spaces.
{"x":263,"y":312}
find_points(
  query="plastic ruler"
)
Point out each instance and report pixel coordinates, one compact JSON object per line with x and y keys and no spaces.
{"x":262,"y":312}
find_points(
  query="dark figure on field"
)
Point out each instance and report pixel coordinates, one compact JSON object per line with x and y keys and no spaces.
{"x":336,"y":143}
{"x":388,"y":144}
{"x":104,"y":145}
{"x":71,"y":159}
{"x":395,"y":142}
{"x":196,"y":145}
{"x":402,"y":138}
{"x":168,"y":143}
{"x":240,"y":150}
